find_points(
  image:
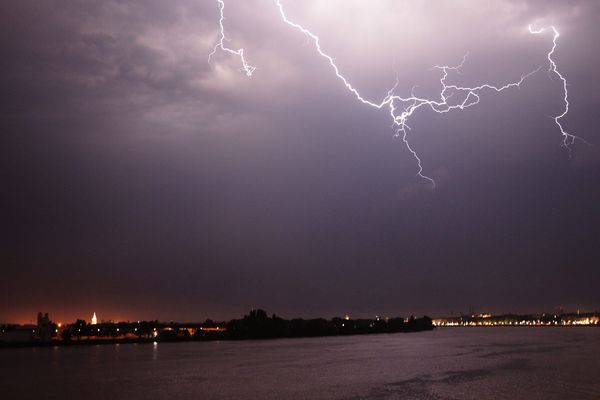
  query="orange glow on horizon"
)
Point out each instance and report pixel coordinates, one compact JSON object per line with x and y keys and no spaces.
{"x":28,"y":317}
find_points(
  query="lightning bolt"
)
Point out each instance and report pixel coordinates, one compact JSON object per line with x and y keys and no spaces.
{"x":247,"y":68}
{"x":568,"y":139}
{"x":402,"y":108}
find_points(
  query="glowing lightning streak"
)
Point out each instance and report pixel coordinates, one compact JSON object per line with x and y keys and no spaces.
{"x":568,"y":139}
{"x":471,"y":94}
{"x":408,"y":105}
{"x":248,"y":69}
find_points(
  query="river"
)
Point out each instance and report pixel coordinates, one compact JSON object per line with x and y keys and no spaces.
{"x":447,"y":363}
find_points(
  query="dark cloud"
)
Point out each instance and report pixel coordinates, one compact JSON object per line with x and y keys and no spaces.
{"x":141,"y":182}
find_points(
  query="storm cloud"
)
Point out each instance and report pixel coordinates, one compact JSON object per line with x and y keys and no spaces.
{"x":140,"y":181}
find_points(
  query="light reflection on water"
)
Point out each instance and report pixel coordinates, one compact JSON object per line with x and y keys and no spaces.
{"x":451,"y":363}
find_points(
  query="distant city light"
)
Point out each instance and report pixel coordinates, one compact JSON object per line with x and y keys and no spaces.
{"x":489,"y":320}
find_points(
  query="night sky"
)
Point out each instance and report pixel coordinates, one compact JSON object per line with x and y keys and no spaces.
{"x":140,"y":182}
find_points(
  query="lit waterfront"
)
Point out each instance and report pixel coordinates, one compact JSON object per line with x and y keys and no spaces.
{"x":484,"y":320}
{"x":257,"y":324}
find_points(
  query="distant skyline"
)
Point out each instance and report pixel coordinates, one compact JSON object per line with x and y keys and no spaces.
{"x":141,"y":182}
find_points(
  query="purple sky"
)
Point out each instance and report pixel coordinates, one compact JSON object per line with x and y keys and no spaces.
{"x":140,"y":182}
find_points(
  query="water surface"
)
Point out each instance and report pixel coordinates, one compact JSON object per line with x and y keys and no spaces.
{"x":451,"y":363}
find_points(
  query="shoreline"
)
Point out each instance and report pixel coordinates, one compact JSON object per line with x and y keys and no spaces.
{"x":98,"y":342}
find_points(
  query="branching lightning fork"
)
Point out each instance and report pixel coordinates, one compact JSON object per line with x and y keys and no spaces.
{"x":568,"y":139}
{"x":402,"y":108}
{"x":247,"y":68}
